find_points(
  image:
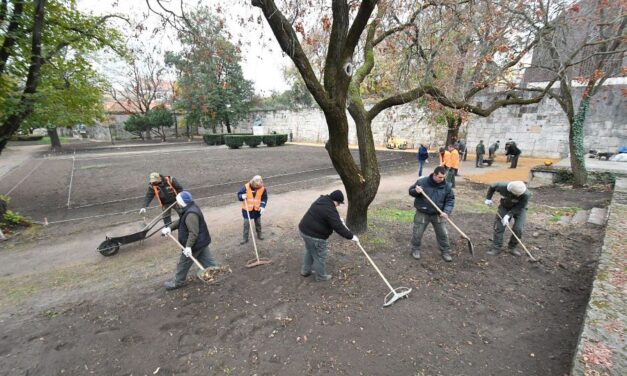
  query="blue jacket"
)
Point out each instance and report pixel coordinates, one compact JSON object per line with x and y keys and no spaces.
{"x":253,"y":213}
{"x":423,"y":153}
{"x":440,"y":193}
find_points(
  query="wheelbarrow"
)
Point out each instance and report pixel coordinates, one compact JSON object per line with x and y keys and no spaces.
{"x":111,"y":245}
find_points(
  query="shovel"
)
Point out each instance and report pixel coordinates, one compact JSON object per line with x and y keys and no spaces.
{"x":395,"y":293}
{"x":471,"y":248}
{"x":532,"y":259}
{"x":256,"y":261}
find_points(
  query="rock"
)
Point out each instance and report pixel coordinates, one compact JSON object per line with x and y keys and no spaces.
{"x":535,"y":234}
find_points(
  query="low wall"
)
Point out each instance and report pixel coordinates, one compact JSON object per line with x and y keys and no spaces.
{"x":601,"y":349}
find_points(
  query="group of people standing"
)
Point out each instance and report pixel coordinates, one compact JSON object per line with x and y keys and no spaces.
{"x":434,"y":200}
{"x":512,"y":153}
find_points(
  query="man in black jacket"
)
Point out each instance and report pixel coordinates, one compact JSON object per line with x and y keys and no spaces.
{"x":193,"y":235}
{"x":165,"y":189}
{"x":514,"y":201}
{"x":441,"y":193}
{"x":316,"y":226}
{"x":513,"y":152}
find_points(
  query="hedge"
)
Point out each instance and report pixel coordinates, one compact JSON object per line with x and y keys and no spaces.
{"x":234,"y":141}
{"x":253,"y":141}
{"x":30,"y":137}
{"x":218,"y":138}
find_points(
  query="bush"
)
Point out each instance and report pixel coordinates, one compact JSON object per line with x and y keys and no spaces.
{"x":234,"y":141}
{"x":253,"y":141}
{"x":213,"y":139}
{"x":28,"y":137}
{"x":281,"y":139}
{"x":12,"y":218}
{"x":269,"y":140}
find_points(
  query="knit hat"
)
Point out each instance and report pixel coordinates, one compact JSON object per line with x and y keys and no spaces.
{"x":517,"y":187}
{"x":155,"y":177}
{"x":184,"y":198}
{"x":337,"y":196}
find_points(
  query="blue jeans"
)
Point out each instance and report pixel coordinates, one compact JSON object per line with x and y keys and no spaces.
{"x":315,"y":258}
{"x":421,"y":221}
{"x":421,"y":163}
{"x":204,"y":257}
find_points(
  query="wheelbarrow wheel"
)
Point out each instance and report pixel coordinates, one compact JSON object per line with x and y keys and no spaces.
{"x":108,"y":247}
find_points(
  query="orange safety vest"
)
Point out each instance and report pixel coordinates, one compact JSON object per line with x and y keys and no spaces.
{"x":154,"y":188}
{"x":253,"y":202}
{"x":453,"y":159}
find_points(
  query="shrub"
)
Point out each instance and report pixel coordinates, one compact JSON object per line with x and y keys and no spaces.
{"x":26,"y":137}
{"x":253,"y":141}
{"x":13,"y":218}
{"x":281,"y":139}
{"x":234,"y":142}
{"x":269,"y":140}
{"x":213,"y":139}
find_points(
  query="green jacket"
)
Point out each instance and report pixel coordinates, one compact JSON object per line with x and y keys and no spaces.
{"x":514,"y":204}
{"x":480,"y":149}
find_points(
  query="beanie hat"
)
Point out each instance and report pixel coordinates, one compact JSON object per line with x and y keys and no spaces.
{"x":184,"y":198}
{"x":155,"y":177}
{"x":337,"y":196}
{"x":517,"y":187}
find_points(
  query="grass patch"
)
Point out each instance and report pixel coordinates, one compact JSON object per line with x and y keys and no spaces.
{"x":89,"y":167}
{"x":557,"y":215}
{"x":393,"y":215}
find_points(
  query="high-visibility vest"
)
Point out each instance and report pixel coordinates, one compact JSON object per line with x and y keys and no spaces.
{"x":453,"y":159}
{"x":253,"y":202}
{"x":154,"y":188}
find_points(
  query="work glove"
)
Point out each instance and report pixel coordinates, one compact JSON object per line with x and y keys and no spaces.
{"x":187,"y":251}
{"x":489,"y":202}
{"x":142,"y":210}
{"x":165,"y":231}
{"x":505,"y":220}
{"x":355,"y":239}
{"x":261,"y":210}
{"x":243,"y":196}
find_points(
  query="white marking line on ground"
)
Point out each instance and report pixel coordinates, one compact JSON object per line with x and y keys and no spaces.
{"x":25,"y":177}
{"x":213,"y":185}
{"x":196,"y":199}
{"x":69,"y":192}
{"x":127,"y":153}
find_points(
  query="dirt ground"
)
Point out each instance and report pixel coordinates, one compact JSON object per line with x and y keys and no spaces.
{"x":66,"y":310}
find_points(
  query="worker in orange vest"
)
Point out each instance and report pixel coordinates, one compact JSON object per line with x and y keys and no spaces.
{"x":254,"y":198}
{"x":164,"y":189}
{"x":451,"y":162}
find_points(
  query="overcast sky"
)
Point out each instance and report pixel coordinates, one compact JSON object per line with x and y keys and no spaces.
{"x":262,"y":58}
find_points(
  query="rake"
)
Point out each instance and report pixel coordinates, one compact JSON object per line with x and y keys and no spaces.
{"x":471,"y":247}
{"x":257,"y":261}
{"x":206,"y":275}
{"x":395,"y":293}
{"x":532,"y":259}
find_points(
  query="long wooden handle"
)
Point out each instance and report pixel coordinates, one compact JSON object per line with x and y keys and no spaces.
{"x":517,"y":238}
{"x":424,"y":194}
{"x":190,"y":256}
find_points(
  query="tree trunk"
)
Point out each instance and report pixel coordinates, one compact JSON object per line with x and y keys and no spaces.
{"x":228,"y":124}
{"x":453,"y":123}
{"x":575,"y":144}
{"x":55,"y":143}
{"x":361,"y":185}
{"x":176,"y":126}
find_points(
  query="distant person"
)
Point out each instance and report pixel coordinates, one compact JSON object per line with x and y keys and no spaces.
{"x":442,"y":195}
{"x":461,"y":147}
{"x":451,"y":163}
{"x":492,"y":149}
{"x":514,"y":201}
{"x":480,"y":150}
{"x":423,"y":157}
{"x":507,"y":144}
{"x":442,"y":152}
{"x":193,"y":235}
{"x":291,"y":136}
{"x":513,"y":152}
{"x":254,"y":196}
{"x":317,"y":225}
{"x":165,"y":189}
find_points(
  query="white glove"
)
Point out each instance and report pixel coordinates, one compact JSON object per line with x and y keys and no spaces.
{"x":261,"y":210}
{"x":165,"y":231}
{"x":187,"y":251}
{"x":142,"y":210}
{"x":355,"y":239}
{"x":505,"y":220}
{"x":489,"y":202}
{"x":243,"y":196}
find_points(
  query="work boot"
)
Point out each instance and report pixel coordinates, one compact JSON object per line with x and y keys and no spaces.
{"x":259,"y":236}
{"x":243,"y":241}
{"x":305,"y":274}
{"x":446,"y":257}
{"x":322,"y":278}
{"x":415,"y":254}
{"x":494,"y":252}
{"x":172,"y":285}
{"x":514,"y":252}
